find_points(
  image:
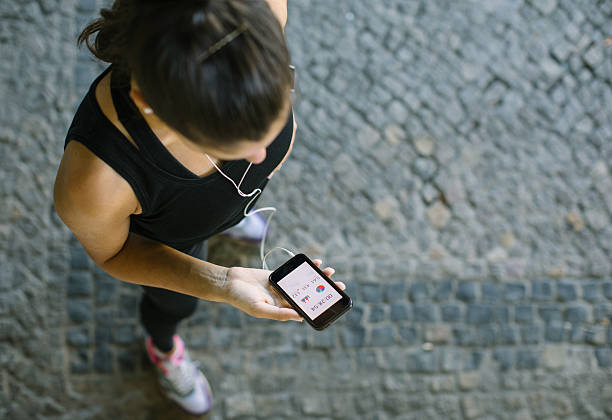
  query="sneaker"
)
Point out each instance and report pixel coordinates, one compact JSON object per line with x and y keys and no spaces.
{"x":180,"y":378}
{"x":250,"y":229}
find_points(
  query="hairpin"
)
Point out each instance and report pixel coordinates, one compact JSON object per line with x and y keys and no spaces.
{"x":222,"y":42}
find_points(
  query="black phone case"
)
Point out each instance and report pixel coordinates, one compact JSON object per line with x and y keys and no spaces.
{"x":328,"y":320}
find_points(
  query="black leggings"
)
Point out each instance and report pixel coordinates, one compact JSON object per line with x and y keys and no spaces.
{"x":161,"y":310}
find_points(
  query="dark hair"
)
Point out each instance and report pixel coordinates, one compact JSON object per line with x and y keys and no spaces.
{"x":234,"y":94}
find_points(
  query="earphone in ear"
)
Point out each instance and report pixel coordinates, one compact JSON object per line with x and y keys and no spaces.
{"x":255,"y":193}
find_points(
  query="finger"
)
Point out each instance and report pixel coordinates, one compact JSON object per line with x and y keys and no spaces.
{"x":328,"y":271}
{"x":317,"y":262}
{"x":341,"y":285}
{"x":265,"y":310}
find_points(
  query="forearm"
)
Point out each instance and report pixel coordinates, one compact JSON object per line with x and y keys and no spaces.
{"x":150,"y":263}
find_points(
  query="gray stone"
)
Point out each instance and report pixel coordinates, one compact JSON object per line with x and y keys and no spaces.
{"x":463,"y":336}
{"x":542,"y":290}
{"x":229,"y":317}
{"x":577,"y":334}
{"x":422,"y":361}
{"x":80,"y":284}
{"x":505,"y":357}
{"x":604,"y":357}
{"x":514,"y":292}
{"x":103,"y":335}
{"x":566,"y":292}
{"x":472,"y":407}
{"x":127,"y":361}
{"x":437,"y":334}
{"x":527,"y":359}
{"x":524,"y":313}
{"x":429,"y":193}
{"x":78,"y":336}
{"x":424,"y":312}
{"x":438,"y":215}
{"x":550,"y":313}
{"x":425,"y":168}
{"x":501,"y":314}
{"x":353,"y":336}
{"x":545,"y":6}
{"x":591,"y":292}
{"x":398,"y":112}
{"x":602,"y":312}
{"x":128,"y":306}
{"x":486,"y":336}
{"x":103,"y":359}
{"x":355,"y":316}
{"x":79,"y":260}
{"x":478,"y":313}
{"x":80,"y":362}
{"x":594,"y":55}
{"x":466,"y":291}
{"x":577,"y":313}
{"x":371,"y":292}
{"x":79,"y":311}
{"x":377,"y":313}
{"x":451,"y":313}
{"x":124,"y":334}
{"x":451,"y":360}
{"x":395,"y":291}
{"x":239,"y":405}
{"x":419,"y":291}
{"x":531,"y":334}
{"x":444,"y":290}
{"x":607,"y":290}
{"x":400,"y":311}
{"x":490,"y":291}
{"x":408,"y":335}
{"x":509,"y":335}
{"x":595,"y":334}
{"x":382,"y":336}
{"x":555,"y":331}
{"x":105,"y":290}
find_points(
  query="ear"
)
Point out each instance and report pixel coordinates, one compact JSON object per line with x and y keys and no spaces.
{"x":136,"y":96}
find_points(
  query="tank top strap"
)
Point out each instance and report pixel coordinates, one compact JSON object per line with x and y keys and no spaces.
{"x":148,"y":143}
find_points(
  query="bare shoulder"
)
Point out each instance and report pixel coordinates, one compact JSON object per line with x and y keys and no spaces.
{"x":279,"y":8}
{"x":85,"y":180}
{"x":94,"y":202}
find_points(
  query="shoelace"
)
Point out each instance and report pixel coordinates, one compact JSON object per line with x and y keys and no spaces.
{"x":183,"y":375}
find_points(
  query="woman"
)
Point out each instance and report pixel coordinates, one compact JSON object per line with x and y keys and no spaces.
{"x":197,"y":91}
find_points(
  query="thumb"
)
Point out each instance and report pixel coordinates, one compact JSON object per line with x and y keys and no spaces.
{"x":265,"y":310}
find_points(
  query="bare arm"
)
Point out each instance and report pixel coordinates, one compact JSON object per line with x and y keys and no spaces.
{"x":96,"y":203}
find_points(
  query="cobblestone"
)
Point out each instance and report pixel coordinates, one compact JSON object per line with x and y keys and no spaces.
{"x":461,"y":157}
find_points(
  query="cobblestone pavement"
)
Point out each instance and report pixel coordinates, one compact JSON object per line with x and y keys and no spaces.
{"x":453,"y":163}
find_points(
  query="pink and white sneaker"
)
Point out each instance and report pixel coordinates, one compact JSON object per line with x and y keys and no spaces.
{"x":180,"y":378}
{"x":250,"y":229}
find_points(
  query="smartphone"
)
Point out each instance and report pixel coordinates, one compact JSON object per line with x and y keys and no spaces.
{"x":311,"y":293}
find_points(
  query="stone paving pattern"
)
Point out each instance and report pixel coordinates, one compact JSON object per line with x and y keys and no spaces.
{"x":452,"y":162}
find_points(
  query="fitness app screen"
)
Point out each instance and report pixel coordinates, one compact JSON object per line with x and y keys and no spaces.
{"x":312,"y":293}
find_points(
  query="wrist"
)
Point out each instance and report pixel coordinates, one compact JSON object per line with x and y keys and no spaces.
{"x":212,"y":281}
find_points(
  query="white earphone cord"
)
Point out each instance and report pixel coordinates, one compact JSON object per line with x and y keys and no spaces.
{"x":255,"y":193}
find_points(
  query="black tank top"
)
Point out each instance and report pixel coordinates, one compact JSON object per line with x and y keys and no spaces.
{"x":179,"y":208}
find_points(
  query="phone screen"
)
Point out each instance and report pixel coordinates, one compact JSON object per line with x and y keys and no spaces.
{"x":311,"y":292}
